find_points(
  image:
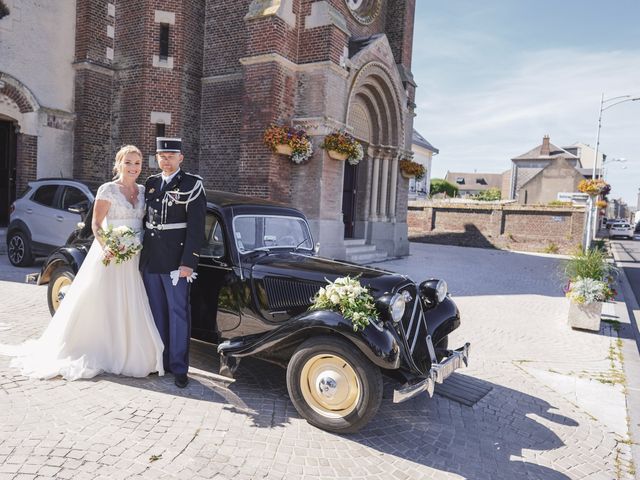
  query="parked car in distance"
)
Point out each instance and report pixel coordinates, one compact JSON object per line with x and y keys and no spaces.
{"x":621,"y":230}
{"x":44,"y":215}
{"x":257,"y":276}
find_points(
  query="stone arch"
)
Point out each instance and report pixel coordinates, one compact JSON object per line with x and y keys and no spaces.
{"x":17,"y":91}
{"x":375,"y":82}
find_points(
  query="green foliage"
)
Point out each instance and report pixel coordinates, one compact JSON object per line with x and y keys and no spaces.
{"x":592,"y":264}
{"x":551,"y":248}
{"x":438,"y":185}
{"x":559,"y":203}
{"x":489,"y":195}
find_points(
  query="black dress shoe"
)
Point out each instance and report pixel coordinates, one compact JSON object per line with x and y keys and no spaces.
{"x":181,"y":380}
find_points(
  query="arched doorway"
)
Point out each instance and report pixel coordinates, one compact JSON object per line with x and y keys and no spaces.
{"x":374,"y":113}
{"x":8,"y":143}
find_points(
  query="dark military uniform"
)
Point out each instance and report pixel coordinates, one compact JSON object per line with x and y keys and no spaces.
{"x":174,"y":234}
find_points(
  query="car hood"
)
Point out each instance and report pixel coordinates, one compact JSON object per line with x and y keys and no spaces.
{"x":308,"y":268}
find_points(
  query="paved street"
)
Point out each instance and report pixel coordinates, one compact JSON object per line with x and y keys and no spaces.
{"x":555,"y":410}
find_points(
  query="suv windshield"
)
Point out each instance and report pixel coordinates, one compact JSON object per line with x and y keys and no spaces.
{"x":260,"y":232}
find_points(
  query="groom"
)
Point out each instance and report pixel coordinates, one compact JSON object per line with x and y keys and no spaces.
{"x":174,"y":232}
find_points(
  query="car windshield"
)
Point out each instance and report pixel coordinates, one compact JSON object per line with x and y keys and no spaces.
{"x":266,"y":232}
{"x":622,"y":225}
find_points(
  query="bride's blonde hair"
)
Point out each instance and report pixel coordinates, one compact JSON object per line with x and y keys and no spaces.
{"x":122,"y":153}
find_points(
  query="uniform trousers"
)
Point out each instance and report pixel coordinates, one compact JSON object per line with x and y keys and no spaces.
{"x":172,"y":315}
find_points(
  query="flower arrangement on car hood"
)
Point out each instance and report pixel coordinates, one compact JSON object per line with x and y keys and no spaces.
{"x":296,"y":139}
{"x":347,"y":296}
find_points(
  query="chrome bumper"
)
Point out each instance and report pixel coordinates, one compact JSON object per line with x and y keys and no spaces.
{"x":437,"y":374}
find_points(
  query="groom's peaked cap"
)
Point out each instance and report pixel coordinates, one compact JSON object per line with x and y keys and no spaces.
{"x":164,"y":144}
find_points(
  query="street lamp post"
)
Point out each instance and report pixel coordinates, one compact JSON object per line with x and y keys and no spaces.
{"x":590,"y":229}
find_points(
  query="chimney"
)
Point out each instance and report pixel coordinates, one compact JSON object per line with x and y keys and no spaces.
{"x":545,"y":150}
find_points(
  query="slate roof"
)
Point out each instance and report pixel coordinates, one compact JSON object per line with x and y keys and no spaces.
{"x":554,"y":152}
{"x":475,"y":181}
{"x":421,"y":141}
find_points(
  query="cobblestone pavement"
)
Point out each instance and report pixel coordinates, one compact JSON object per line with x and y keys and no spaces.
{"x":526,"y":427}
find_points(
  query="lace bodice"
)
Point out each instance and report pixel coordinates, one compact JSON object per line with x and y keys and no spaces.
{"x":121,"y":211}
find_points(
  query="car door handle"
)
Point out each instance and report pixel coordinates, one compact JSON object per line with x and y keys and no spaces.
{"x":29,"y":210}
{"x":60,"y":218}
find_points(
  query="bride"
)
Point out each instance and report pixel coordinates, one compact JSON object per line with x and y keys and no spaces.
{"x":104,"y":323}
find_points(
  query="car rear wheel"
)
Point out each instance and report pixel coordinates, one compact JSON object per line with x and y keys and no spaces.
{"x":333,"y":385}
{"x":19,"y":249}
{"x":59,"y":283}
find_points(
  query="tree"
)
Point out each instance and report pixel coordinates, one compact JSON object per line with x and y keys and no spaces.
{"x":438,"y":185}
{"x":489,"y":195}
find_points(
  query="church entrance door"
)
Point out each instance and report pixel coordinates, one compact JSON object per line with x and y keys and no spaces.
{"x":349,"y":191}
{"x":7,"y":169}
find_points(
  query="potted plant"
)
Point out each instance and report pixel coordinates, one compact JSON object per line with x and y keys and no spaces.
{"x":295,"y":143}
{"x":343,"y":146}
{"x":411,"y":169}
{"x":590,"y":284}
{"x":594,"y":187}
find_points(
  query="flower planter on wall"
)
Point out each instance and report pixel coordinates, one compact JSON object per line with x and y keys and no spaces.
{"x":585,"y":316}
{"x":406,"y":175}
{"x":284,"y":149}
{"x":337,"y":155}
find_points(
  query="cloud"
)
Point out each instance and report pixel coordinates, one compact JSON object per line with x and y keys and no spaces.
{"x":482,"y":120}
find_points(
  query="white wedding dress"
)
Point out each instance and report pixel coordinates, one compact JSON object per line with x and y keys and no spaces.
{"x":104,"y":323}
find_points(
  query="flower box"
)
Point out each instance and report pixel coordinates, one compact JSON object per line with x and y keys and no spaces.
{"x":585,"y":316}
{"x":406,"y":175}
{"x":284,"y":149}
{"x":337,"y":155}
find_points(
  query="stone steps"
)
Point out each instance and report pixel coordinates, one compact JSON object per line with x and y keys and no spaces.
{"x":358,"y":251}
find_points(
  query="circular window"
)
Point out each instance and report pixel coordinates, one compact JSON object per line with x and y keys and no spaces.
{"x":365,"y":11}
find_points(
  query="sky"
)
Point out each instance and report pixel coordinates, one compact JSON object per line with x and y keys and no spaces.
{"x":495,"y":76}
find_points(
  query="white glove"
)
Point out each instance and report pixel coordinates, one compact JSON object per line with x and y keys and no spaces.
{"x":175,"y":276}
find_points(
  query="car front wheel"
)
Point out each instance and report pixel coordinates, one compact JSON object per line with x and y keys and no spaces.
{"x":333,"y":385}
{"x":19,"y":249}
{"x":59,"y":283}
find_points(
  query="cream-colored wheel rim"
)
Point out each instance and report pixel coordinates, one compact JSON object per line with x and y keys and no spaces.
{"x":59,"y":290}
{"x":330,"y":386}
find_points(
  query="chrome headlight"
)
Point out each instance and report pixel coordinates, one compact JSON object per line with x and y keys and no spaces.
{"x":397,"y":305}
{"x":433,"y":291}
{"x":441,"y":290}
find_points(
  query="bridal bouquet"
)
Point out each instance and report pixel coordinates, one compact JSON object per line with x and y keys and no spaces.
{"x":120,"y":244}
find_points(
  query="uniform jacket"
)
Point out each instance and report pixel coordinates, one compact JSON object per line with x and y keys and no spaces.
{"x":165,"y":250}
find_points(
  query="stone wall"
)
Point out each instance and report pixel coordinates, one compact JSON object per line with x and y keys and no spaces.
{"x":498,"y":225}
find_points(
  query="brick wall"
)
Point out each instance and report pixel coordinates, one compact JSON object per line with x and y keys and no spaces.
{"x":26,"y":160}
{"x":517,"y":227}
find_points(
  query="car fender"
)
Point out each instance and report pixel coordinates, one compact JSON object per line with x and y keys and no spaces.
{"x":20,"y":226}
{"x":70,"y":256}
{"x":378,"y":344}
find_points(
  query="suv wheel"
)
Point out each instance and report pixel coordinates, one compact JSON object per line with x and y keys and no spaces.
{"x":333,"y":385}
{"x":59,"y":283}
{"x":19,"y":249}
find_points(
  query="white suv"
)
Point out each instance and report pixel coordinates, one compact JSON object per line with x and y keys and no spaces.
{"x":44,"y":216}
{"x":621,"y":230}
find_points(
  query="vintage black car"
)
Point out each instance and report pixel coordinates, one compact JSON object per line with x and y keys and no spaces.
{"x":258,"y":273}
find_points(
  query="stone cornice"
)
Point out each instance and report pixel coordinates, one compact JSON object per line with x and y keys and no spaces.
{"x":93,"y":67}
{"x":296,"y":67}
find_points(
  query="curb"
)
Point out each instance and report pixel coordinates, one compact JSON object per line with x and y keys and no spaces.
{"x":630,"y":313}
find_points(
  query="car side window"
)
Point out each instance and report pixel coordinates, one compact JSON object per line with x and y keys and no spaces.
{"x":73,"y":196}
{"x":215,"y":238}
{"x":45,"y":195}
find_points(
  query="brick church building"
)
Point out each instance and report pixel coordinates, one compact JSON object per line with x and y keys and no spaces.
{"x":217,"y":73}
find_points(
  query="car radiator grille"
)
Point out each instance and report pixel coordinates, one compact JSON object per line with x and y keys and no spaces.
{"x":414,"y":331}
{"x":284,"y":294}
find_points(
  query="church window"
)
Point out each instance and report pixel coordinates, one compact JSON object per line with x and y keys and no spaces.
{"x":164,"y":41}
